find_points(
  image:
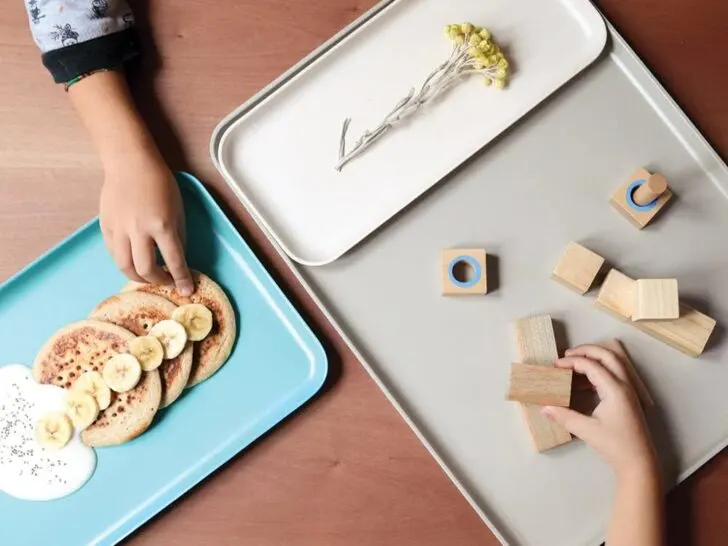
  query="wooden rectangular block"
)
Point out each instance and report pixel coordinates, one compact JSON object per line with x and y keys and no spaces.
{"x":689,"y":333}
{"x":539,"y":384}
{"x":454,"y":261}
{"x":616,"y":296}
{"x":536,"y":344}
{"x":578,"y":268}
{"x":656,"y":299}
{"x":639,"y":217}
{"x":644,"y":395}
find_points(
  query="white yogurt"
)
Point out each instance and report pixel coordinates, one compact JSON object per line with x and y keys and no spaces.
{"x":27,"y":470}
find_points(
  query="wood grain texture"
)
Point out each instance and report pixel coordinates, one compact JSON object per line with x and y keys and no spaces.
{"x":656,"y":299}
{"x":541,"y":385}
{"x":638,"y":218}
{"x":653,"y":188}
{"x":616,"y":295}
{"x":536,"y":344}
{"x":449,"y":288}
{"x":578,"y":268}
{"x":689,"y":333}
{"x":345,"y":470}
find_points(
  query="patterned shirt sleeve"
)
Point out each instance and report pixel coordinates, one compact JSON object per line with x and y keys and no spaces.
{"x":80,"y":36}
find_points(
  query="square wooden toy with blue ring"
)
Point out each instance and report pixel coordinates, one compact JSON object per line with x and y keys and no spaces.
{"x":464,"y":272}
{"x":642,"y":198}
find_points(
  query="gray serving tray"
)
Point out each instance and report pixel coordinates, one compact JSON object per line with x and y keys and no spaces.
{"x":443,"y":362}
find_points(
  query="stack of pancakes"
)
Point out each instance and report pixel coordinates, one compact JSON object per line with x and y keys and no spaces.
{"x":87,"y":345}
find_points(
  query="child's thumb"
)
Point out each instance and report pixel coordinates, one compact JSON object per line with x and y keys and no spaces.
{"x":577,"y":423}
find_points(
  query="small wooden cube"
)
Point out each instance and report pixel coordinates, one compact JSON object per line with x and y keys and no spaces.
{"x":616,"y":296}
{"x":656,"y":299}
{"x":541,"y":385}
{"x":578,"y":268}
{"x":455,"y":262}
{"x":640,"y":214}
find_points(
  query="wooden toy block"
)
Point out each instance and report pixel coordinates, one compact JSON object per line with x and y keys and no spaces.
{"x":616,"y":296}
{"x":689,"y":333}
{"x":578,"y":268}
{"x":643,"y":394}
{"x":454,"y":262}
{"x":641,"y":198}
{"x":656,"y":299}
{"x":536,"y":344}
{"x":539,"y":384}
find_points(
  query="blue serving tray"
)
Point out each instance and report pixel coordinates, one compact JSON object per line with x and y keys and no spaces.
{"x":277,"y":365}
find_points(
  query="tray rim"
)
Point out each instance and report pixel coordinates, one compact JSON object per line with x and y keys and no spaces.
{"x":640,"y":75}
{"x":221,"y":131}
{"x":224,"y":452}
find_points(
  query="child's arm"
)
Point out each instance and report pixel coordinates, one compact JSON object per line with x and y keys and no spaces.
{"x":140,"y":202}
{"x":618,"y":432}
{"x":84,"y":45}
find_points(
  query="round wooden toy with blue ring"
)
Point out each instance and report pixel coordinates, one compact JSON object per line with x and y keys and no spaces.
{"x":640,"y":199}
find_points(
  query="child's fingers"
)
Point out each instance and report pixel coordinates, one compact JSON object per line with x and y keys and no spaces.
{"x":606,"y":357}
{"x":143,"y":252}
{"x":172,"y":251}
{"x":598,"y":375}
{"x":121,"y":251}
{"x":576,"y":423}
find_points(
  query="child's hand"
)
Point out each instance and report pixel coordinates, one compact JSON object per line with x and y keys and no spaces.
{"x":616,"y":430}
{"x":141,"y":209}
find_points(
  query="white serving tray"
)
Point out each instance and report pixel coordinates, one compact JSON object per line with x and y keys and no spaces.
{"x":280,"y":152}
{"x":443,"y":362}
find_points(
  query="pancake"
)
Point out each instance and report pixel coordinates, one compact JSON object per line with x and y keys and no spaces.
{"x":85,"y":346}
{"x":138,"y":312}
{"x":212,"y":352}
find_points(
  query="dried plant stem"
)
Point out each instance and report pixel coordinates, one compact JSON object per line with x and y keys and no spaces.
{"x":444,"y":76}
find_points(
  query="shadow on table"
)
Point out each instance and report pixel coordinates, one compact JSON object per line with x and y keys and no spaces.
{"x":142,"y":73}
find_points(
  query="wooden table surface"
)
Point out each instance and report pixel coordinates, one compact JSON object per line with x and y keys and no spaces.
{"x":346,"y":469}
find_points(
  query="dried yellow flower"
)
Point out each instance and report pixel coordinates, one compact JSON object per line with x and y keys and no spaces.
{"x":474,"y":51}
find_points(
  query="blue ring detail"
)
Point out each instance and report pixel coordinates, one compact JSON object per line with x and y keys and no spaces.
{"x":630,"y":200}
{"x":472,"y":262}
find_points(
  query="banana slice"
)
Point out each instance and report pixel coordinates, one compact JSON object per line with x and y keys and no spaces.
{"x":93,"y":383}
{"x":196,"y":318}
{"x":148,"y":351}
{"x":172,"y":335}
{"x":122,"y":372}
{"x":82,"y":408}
{"x":53,"y":430}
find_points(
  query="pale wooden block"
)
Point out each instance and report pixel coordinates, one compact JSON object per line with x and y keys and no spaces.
{"x":616,"y":296}
{"x":578,"y":268}
{"x":689,"y":333}
{"x":536,"y":344}
{"x":640,"y":216}
{"x":476,"y":259}
{"x":643,"y":394}
{"x":656,"y":299}
{"x":539,"y":384}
